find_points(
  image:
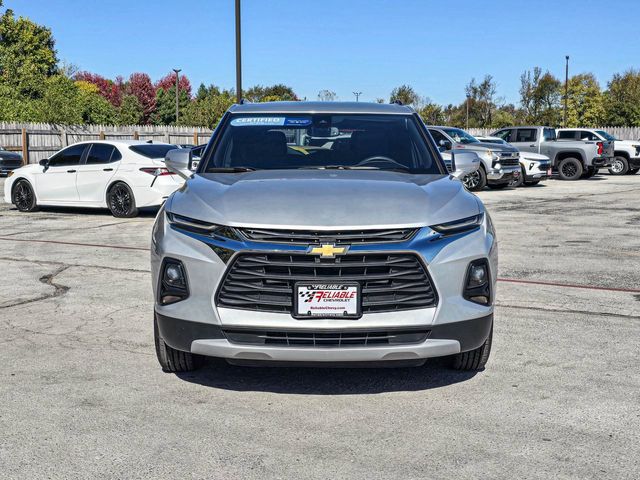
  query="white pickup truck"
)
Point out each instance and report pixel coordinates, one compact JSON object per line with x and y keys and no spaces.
{"x":574,"y":159}
{"x":626,"y":160}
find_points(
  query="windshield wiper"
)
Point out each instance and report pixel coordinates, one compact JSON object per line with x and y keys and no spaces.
{"x":339,"y":167}
{"x":230,"y":169}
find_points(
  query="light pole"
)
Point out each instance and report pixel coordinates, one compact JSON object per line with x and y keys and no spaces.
{"x":238,"y":56}
{"x":177,"y":70}
{"x":566,"y":90}
{"x":467,"y":122}
{"x":357,"y":94}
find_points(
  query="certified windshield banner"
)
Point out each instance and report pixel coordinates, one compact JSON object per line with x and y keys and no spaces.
{"x":271,"y":122}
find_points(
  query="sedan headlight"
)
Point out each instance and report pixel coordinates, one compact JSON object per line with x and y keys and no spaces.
{"x":459,"y":226}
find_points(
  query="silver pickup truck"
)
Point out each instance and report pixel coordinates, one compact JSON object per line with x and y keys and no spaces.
{"x":574,"y":159}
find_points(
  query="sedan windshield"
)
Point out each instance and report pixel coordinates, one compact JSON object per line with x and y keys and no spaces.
{"x":606,"y":135}
{"x":322,"y":141}
{"x":460,"y":136}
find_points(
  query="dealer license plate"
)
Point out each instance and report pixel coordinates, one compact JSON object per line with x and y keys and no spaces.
{"x":327,"y":300}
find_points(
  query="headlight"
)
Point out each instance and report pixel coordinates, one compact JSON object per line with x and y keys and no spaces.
{"x":459,"y":226}
{"x":9,"y":173}
{"x":203,"y":228}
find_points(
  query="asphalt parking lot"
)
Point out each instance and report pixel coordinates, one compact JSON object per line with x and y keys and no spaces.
{"x":82,"y":396}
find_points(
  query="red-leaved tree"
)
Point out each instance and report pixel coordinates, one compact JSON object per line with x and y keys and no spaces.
{"x":140,"y":85}
{"x":168,"y":81}
{"x":109,"y":89}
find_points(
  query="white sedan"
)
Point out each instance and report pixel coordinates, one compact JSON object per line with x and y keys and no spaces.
{"x":121,"y":175}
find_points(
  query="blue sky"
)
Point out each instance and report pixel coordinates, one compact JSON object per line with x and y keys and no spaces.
{"x":346,"y":45}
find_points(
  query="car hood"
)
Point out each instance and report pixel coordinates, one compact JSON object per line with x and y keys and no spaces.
{"x":6,"y":155}
{"x":496,"y":147}
{"x":323,"y":199}
{"x":628,"y":143}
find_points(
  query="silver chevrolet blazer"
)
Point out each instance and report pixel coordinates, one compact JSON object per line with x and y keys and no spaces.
{"x":322,"y":233}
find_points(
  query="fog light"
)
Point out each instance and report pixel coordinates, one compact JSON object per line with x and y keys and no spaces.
{"x":173,"y":283}
{"x":477,"y":287}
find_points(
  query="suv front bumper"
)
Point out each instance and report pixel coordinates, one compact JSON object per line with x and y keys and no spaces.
{"x":503,"y":174}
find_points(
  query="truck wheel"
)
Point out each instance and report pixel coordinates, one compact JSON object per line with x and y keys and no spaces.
{"x":619,"y":166}
{"x":172,"y":360}
{"x":121,"y":201}
{"x":23,"y":197}
{"x":474,"y":359}
{"x":633,"y":171}
{"x":476,"y":181}
{"x":570,"y":169}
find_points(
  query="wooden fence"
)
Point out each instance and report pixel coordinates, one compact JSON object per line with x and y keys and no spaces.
{"x":36,"y":141}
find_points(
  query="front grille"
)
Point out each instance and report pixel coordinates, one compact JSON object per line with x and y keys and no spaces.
{"x":320,"y":339}
{"x":265,"y":281}
{"x":306,"y":237}
{"x":509,"y":159}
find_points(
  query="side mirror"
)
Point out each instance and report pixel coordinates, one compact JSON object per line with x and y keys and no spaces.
{"x":446,"y":144}
{"x":44,"y":163}
{"x":465,"y":163}
{"x":179,"y":161}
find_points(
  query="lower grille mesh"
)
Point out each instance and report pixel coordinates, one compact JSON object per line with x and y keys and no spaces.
{"x":326,"y":339}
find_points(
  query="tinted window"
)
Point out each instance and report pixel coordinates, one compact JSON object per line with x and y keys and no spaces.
{"x":68,"y":157}
{"x":549,"y":134}
{"x":151,"y":150}
{"x":526,"y":135}
{"x":588,"y":136}
{"x":100,"y":153}
{"x":602,"y":133}
{"x":306,"y":140}
{"x":567,"y":134}
{"x":438,"y":137}
{"x":504,"y":135}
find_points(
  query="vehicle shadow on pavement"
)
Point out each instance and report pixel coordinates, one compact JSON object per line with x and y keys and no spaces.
{"x":147,"y":212}
{"x":325,"y":381}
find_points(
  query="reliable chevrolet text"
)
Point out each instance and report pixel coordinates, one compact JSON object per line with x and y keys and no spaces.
{"x":322,"y":233}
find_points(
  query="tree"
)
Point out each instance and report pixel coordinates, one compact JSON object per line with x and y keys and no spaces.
{"x":540,"y":97}
{"x":60,"y":102}
{"x":622,"y":99}
{"x":406,"y":95}
{"x":95,"y":108}
{"x":278,"y":92}
{"x":131,"y":111}
{"x":140,"y":86}
{"x":482,"y":102}
{"x":585,"y":104}
{"x":166,"y":105}
{"x":208,"y":107}
{"x":431,"y":114}
{"x":109,"y":89}
{"x":27,"y":55}
{"x":169,"y":81}
{"x":327,"y":96}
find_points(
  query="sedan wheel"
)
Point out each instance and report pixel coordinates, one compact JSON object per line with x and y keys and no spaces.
{"x":121,"y":201}
{"x":24,"y":197}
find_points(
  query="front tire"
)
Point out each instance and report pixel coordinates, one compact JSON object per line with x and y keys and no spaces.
{"x":23,"y":197}
{"x":570,"y":169}
{"x":474,"y":359}
{"x":476,"y":181}
{"x":121,"y":201}
{"x":172,"y":360}
{"x":619,"y":166}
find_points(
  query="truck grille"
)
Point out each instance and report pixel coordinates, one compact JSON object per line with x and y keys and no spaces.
{"x":509,"y":159}
{"x":325,"y":339}
{"x":265,"y":281}
{"x":306,"y":237}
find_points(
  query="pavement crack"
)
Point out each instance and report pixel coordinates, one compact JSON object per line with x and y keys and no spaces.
{"x":562,"y":310}
{"x":48,"y":279}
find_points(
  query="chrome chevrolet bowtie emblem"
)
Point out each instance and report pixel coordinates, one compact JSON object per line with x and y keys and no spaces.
{"x":327,"y":250}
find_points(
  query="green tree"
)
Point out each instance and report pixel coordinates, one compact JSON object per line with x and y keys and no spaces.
{"x":278,"y":92}
{"x":207,"y":110}
{"x":166,"y":105}
{"x":406,"y":95}
{"x":585,"y":103}
{"x":431,"y":114}
{"x":540,"y":97}
{"x":622,"y":99}
{"x":27,"y":54}
{"x":131,"y":111}
{"x":95,"y":108}
{"x":482,"y":102}
{"x":60,"y":102}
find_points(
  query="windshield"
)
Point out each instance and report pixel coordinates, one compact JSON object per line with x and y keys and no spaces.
{"x":606,"y":135}
{"x":153,"y":150}
{"x":372,"y":142}
{"x":460,"y":136}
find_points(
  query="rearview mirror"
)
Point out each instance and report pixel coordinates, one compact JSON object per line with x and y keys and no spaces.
{"x":465,"y":163}
{"x":44,"y":163}
{"x":179,"y":161}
